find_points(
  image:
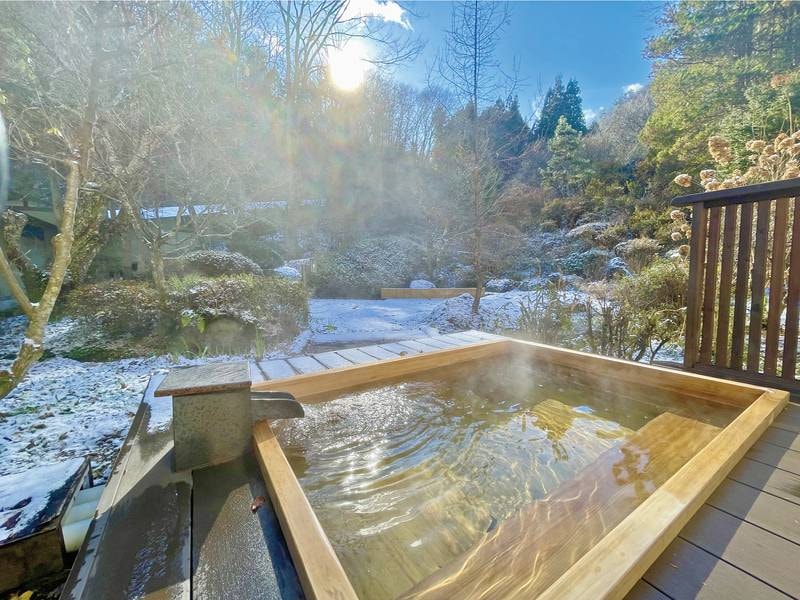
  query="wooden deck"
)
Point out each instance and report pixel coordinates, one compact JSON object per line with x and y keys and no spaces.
{"x":744,"y":543}
{"x":300,"y":365}
{"x":154,"y":538}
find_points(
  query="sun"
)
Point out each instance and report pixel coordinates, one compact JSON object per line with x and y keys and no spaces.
{"x":347,"y":67}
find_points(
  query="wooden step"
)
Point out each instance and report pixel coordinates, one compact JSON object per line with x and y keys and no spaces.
{"x":529,"y":551}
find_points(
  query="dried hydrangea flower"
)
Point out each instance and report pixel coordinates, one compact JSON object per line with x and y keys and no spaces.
{"x":720,"y":149}
{"x":676,"y":236}
{"x":683,"y":180}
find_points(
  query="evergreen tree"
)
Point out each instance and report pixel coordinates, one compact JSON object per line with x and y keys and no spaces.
{"x":560,"y":101}
{"x":567,"y":168}
{"x":573,"y":106}
{"x":552,"y":109}
{"x":508,"y":135}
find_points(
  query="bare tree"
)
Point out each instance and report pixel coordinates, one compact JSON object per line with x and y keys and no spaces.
{"x":470,"y":67}
{"x":308,"y":29}
{"x":52,"y":105}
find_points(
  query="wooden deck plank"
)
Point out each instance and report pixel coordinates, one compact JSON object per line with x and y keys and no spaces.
{"x":782,"y":437}
{"x":435,"y":343}
{"x":789,"y":419}
{"x":644,"y":591}
{"x":769,"y":479}
{"x":139,"y":544}
{"x":378,"y":352}
{"x":357,"y":356}
{"x":256,"y":374}
{"x":332,"y":359}
{"x":466,"y":336}
{"x":759,"y":508}
{"x":685,"y":571}
{"x":306,"y":364}
{"x":753,"y":550}
{"x":528,"y":552}
{"x":776,"y":456}
{"x":235,"y":553}
{"x":276,"y":369}
{"x":461,"y":341}
{"x":398,"y":349}
{"x":417,"y":346}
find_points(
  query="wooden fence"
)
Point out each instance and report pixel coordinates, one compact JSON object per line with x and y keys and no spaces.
{"x":744,"y":283}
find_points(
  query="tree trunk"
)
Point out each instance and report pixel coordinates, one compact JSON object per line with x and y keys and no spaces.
{"x":33,"y":278}
{"x":32,"y":346}
{"x":159,"y":278}
{"x":478,"y":247}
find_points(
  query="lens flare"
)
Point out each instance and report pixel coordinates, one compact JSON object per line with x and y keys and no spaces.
{"x":347,"y":67}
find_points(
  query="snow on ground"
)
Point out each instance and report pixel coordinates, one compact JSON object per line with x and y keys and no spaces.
{"x":340,"y":321}
{"x":65,"y":408}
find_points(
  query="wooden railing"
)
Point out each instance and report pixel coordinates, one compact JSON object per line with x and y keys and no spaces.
{"x":744,"y":272}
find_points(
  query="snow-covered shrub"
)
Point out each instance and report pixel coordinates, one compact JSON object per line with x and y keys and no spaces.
{"x":455,"y":275}
{"x":590,"y":264}
{"x":365,"y":267}
{"x":288,"y":272}
{"x":118,"y":307}
{"x":588,"y":232}
{"x":227,"y":313}
{"x":615,"y":267}
{"x":215,"y":262}
{"x":500,"y":285}
{"x":421,"y":284}
{"x":231,"y":311}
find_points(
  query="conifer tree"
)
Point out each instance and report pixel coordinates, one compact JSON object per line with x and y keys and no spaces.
{"x":573,"y":106}
{"x":552,"y":109}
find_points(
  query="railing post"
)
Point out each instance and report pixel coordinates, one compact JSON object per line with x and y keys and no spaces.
{"x":694,"y":299}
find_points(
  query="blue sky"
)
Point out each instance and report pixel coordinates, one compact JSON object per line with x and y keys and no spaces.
{"x":598,"y":43}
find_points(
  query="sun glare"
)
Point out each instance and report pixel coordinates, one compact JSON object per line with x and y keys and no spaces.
{"x":347,"y":67}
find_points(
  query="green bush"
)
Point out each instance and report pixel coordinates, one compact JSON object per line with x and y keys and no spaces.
{"x":118,"y":307}
{"x":214,"y":263}
{"x":566,"y":211}
{"x":638,"y":252}
{"x":635,"y":316}
{"x":362,"y":269}
{"x":646,"y":222}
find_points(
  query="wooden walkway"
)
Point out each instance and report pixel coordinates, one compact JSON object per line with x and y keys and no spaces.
{"x":298,"y":365}
{"x":744,"y":543}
